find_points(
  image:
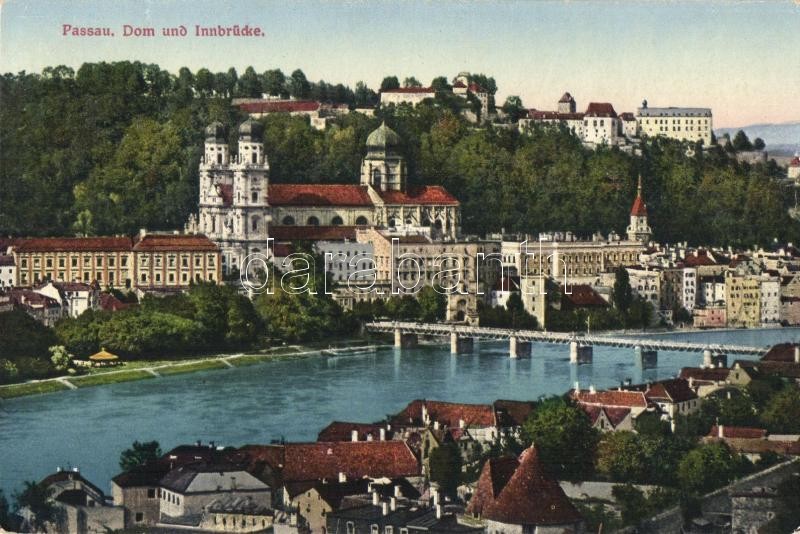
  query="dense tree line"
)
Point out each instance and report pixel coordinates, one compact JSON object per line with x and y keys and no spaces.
{"x":115,"y":146}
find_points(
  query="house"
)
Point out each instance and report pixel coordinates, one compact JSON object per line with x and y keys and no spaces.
{"x":293,"y":468}
{"x":44,"y":309}
{"x":515,"y":496}
{"x":611,"y":409}
{"x":189,"y":489}
{"x":601,"y":124}
{"x":754,"y":442}
{"x":83,"y":504}
{"x":512,"y":414}
{"x":406,"y":95}
{"x":8,"y":271}
{"x":344,"y":431}
{"x":705,"y":380}
{"x":420,"y":414}
{"x":432,"y":438}
{"x":73,"y":297}
{"x":238,"y":514}
{"x":672,"y":396}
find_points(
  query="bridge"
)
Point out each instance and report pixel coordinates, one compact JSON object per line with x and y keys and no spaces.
{"x":462,"y":336}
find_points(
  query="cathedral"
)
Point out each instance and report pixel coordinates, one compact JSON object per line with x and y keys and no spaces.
{"x":238,"y":205}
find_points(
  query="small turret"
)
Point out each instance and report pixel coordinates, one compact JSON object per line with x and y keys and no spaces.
{"x":639,"y":229}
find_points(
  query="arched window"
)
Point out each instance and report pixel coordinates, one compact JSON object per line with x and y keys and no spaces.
{"x":219,"y":158}
{"x":254,"y":196}
{"x":376,"y":178}
{"x":254,"y":157}
{"x":337,"y":221}
{"x":392,"y":222}
{"x":312,"y":221}
{"x":288,"y":221}
{"x":254,"y":224}
{"x":362,"y":221}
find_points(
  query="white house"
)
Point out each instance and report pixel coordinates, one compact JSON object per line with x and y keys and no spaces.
{"x":406,"y":95}
{"x":8,"y":271}
{"x":73,"y":297}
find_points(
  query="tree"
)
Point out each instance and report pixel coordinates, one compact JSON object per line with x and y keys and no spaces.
{"x":759,"y":144}
{"x":780,"y":415}
{"x":390,"y":82}
{"x":620,"y":456}
{"x":708,"y":467}
{"x":139,"y":454}
{"x":445,"y":467}
{"x":440,"y":84}
{"x":632,"y":503}
{"x":298,"y":85}
{"x":411,"y":82}
{"x":741,"y":142}
{"x":5,"y":512}
{"x":250,"y":84}
{"x":622,"y":294}
{"x":564,"y":437}
{"x":432,"y":305}
{"x":513,"y":108}
{"x":60,"y":357}
{"x":36,"y":498}
{"x":274,"y":82}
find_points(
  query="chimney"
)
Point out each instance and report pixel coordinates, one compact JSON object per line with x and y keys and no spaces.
{"x":369,"y":437}
{"x":342,"y":477}
{"x":720,"y":431}
{"x":461,"y":423}
{"x":58,"y":469}
{"x":383,"y":434}
{"x":354,"y":435}
{"x":397,"y":492}
{"x":76,"y":470}
{"x":438,"y":511}
{"x":577,"y":386}
{"x":424,"y":415}
{"x":374,"y":498}
{"x":393,"y":503}
{"x":592,"y":390}
{"x":436,"y":425}
{"x":691,"y":382}
{"x":385,"y":508}
{"x":797,"y":354}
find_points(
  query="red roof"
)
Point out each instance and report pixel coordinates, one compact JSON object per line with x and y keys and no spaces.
{"x":531,"y":498}
{"x":109,"y":302}
{"x":299,"y":462}
{"x":583,"y":296}
{"x":510,"y":413}
{"x":743,"y":432}
{"x":627,"y":116}
{"x":702,"y":258}
{"x":672,"y":390}
{"x":459,"y":84}
{"x":614,"y":415}
{"x":312,"y":233}
{"x":318,"y":195}
{"x":782,"y":352}
{"x":343,"y":431}
{"x":554,"y":115}
{"x":795,"y":162}
{"x":475,"y":88}
{"x":427,"y":194}
{"x":600,"y":109}
{"x":494,"y":476}
{"x":280,"y":106}
{"x":639,"y":208}
{"x":705,"y":374}
{"x":610,"y":398}
{"x":73,"y":244}
{"x":175,"y":243}
{"x":410,"y":90}
{"x":446,"y":413}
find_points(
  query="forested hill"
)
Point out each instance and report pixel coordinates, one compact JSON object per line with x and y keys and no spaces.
{"x":114,"y":147}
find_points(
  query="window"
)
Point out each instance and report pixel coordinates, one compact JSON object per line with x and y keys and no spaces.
{"x":388,"y":530}
{"x":255,"y":196}
{"x":254,"y":224}
{"x":362,"y":221}
{"x":351,"y":528}
{"x":312,"y":221}
{"x":337,"y":221}
{"x":374,"y":529}
{"x":151,"y":493}
{"x":288,"y":221}
{"x":139,"y":517}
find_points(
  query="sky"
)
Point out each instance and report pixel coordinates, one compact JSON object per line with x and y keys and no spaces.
{"x":742,"y":59}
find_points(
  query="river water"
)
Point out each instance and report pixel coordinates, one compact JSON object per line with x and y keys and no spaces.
{"x":295,"y":398}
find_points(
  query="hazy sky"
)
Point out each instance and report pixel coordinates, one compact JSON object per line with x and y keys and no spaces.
{"x":741,"y":59}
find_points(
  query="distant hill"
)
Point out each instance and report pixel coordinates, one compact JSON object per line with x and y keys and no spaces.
{"x":781,"y":139}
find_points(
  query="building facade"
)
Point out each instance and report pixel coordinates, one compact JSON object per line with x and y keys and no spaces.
{"x":683,"y":124}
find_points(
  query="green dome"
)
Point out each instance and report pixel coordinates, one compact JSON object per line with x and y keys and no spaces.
{"x":383,"y":139}
{"x":215,"y":132}
{"x":250,"y":130}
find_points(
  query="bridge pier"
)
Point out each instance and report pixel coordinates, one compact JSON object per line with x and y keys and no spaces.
{"x":580,"y":353}
{"x":460,"y":344}
{"x":517,"y":348}
{"x":714,"y":359}
{"x":404,"y":341}
{"x":647,"y":358}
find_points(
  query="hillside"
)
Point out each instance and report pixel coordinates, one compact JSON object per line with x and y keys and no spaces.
{"x":782,"y":139}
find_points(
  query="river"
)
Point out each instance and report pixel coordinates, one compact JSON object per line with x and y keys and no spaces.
{"x":295,"y":398}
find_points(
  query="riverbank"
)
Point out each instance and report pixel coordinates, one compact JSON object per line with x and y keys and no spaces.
{"x":143,"y":370}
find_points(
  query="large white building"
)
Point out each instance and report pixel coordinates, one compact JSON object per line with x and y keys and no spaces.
{"x":684,"y":124}
{"x":406,"y":95}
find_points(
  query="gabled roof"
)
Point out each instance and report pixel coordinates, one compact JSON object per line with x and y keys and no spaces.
{"x":600,"y":109}
{"x":343,"y":431}
{"x":531,"y":498}
{"x":671,"y":390}
{"x":705,"y":374}
{"x":743,"y":432}
{"x":205,"y":477}
{"x":73,"y":244}
{"x":174,"y":242}
{"x":298,"y":462}
{"x":446,"y":413}
{"x":583,"y":296}
{"x":494,"y":476}
{"x":782,"y":352}
{"x":280,"y":106}
{"x":312,"y":233}
{"x":318,"y":195}
{"x":69,"y":475}
{"x":610,"y":398}
{"x":565,"y":98}
{"x":511,"y":413}
{"x":426,"y":194}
